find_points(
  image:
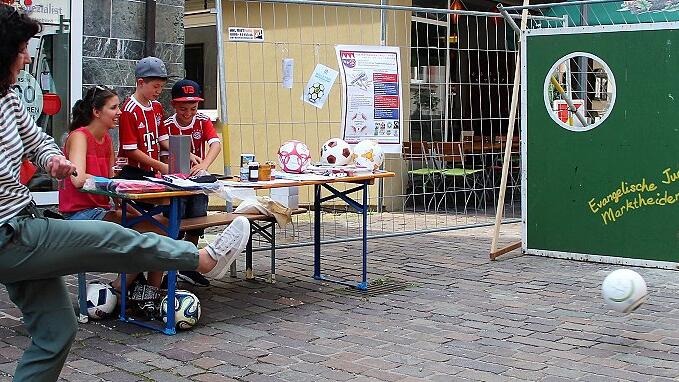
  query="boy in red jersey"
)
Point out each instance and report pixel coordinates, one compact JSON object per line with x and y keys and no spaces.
{"x":205,"y":147}
{"x":142,"y":135}
{"x":141,"y":132}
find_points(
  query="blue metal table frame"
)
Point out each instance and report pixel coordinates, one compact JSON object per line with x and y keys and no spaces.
{"x":361,"y":208}
{"x":147,"y":212}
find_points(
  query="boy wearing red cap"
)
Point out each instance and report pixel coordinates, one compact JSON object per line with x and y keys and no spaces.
{"x":205,"y":147}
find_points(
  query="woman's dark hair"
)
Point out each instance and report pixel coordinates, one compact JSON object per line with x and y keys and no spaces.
{"x":16,"y":28}
{"x":95,"y":98}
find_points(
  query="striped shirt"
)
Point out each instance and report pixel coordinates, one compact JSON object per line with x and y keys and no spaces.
{"x":19,"y":137}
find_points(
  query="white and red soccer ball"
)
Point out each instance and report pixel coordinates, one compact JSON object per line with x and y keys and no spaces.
{"x":294,"y":157}
{"x":368,"y":154}
{"x":337,"y":152}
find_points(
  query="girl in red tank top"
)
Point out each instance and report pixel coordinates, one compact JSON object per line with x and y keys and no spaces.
{"x":90,"y":148}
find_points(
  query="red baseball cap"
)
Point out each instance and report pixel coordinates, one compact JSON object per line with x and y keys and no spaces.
{"x":186,"y":91}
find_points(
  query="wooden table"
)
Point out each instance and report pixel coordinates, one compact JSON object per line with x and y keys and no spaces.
{"x":151,"y":204}
{"x":362,"y":181}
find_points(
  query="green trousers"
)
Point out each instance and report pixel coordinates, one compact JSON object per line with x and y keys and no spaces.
{"x":36,"y":252}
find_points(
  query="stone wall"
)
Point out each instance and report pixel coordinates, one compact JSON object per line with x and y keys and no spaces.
{"x":113,"y":41}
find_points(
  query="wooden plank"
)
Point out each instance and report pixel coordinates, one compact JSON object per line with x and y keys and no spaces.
{"x":223,"y":218}
{"x":502,"y":251}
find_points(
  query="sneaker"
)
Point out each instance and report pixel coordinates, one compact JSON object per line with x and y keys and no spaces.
{"x":228,"y":245}
{"x":193,"y":278}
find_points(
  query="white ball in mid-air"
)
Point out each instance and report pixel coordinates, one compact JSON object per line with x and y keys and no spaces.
{"x":186,"y":309}
{"x":101,"y":300}
{"x":624,"y":290}
{"x":368,"y":154}
{"x":294,"y":157}
{"x":336,"y":151}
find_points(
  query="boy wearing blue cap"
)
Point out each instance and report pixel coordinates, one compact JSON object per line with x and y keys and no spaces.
{"x":141,"y":132}
{"x":205,"y":147}
{"x":142,"y":136}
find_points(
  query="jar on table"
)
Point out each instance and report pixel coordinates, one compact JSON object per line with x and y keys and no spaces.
{"x":265,"y":172}
{"x":253,"y":171}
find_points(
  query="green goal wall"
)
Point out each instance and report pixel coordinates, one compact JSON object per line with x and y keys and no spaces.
{"x":609,"y":194}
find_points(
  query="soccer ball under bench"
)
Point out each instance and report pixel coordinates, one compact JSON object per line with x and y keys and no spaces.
{"x":186,"y":309}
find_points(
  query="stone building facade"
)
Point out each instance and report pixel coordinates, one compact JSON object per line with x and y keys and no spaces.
{"x":114,"y":38}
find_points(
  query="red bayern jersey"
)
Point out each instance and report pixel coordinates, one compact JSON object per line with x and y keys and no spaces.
{"x":201,"y":130}
{"x":141,"y":128}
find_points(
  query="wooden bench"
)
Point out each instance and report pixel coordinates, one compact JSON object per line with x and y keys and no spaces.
{"x":261,"y":225}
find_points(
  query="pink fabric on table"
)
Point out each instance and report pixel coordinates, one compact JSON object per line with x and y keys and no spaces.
{"x":138,"y":187}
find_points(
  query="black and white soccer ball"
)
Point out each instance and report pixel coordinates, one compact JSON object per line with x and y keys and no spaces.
{"x":101,"y":300}
{"x":336,"y":151}
{"x":186,"y":309}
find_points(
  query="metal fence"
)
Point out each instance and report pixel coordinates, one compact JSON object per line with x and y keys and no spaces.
{"x":598,"y":12}
{"x":458,"y":70}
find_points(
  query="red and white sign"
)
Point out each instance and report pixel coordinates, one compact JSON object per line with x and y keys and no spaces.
{"x":563,"y":113}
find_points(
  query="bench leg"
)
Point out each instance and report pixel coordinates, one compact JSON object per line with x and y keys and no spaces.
{"x":272,"y":276}
{"x":233,"y":271}
{"x":83,"y":318}
{"x":249,"y":274}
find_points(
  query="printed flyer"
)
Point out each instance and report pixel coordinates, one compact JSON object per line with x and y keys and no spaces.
{"x":372,"y":104}
{"x":318,"y":88}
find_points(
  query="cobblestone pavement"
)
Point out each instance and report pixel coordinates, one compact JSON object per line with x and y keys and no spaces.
{"x":461,"y":317}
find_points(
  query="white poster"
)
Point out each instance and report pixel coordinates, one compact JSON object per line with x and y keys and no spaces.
{"x":246,"y":34}
{"x":372,"y":103}
{"x":318,"y":88}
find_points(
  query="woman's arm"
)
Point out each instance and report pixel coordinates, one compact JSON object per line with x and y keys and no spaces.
{"x":77,"y":154}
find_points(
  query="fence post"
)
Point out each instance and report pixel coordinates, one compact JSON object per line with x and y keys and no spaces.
{"x":221,"y":78}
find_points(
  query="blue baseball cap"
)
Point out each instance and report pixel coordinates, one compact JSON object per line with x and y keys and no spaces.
{"x":150,"y":67}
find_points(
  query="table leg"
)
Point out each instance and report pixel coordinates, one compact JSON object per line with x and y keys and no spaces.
{"x":317,"y":232}
{"x":123,"y":276}
{"x":364,"y":282}
{"x":173,"y":231}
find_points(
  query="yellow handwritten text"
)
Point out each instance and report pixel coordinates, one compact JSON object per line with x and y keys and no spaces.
{"x":611,"y":215}
{"x":624,"y":189}
{"x":670,"y":176}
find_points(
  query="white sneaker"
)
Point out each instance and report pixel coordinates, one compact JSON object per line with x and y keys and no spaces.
{"x":227,"y":246}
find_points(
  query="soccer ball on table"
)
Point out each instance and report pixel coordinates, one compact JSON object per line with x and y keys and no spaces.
{"x":368,"y":154}
{"x":336,"y":152}
{"x":294,"y":157}
{"x":101,"y":300}
{"x":624,"y":290}
{"x":315,"y":92}
{"x":186,"y":309}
